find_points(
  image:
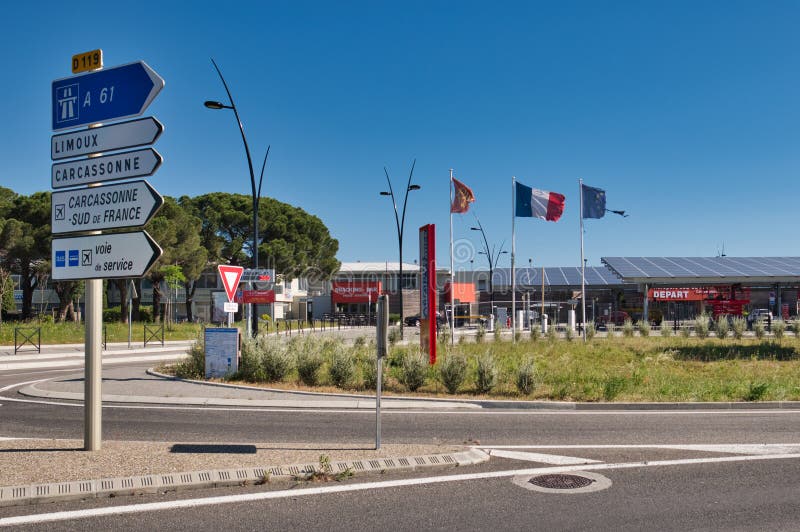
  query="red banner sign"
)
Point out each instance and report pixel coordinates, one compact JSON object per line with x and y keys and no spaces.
{"x":255,"y":296}
{"x":427,"y":290}
{"x":680,"y":294}
{"x":355,"y":291}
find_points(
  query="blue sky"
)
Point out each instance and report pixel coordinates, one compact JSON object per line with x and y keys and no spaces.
{"x":686,"y":112}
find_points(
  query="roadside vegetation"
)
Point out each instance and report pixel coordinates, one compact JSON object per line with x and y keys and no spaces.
{"x":617,"y":368}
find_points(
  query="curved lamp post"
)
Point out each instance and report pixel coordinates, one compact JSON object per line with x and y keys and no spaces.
{"x":492,"y":257}
{"x":256,"y":192}
{"x":400,"y":221}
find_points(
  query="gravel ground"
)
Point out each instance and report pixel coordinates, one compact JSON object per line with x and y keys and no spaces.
{"x":35,"y":461}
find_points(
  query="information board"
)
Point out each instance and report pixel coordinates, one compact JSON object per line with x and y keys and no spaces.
{"x":221,"y":351}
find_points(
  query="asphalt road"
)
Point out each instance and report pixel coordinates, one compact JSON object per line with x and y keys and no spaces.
{"x":655,"y":487}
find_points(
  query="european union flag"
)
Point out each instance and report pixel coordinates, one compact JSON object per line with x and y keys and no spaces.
{"x":594,"y":202}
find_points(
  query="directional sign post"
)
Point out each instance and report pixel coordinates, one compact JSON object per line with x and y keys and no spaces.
{"x":113,"y":256}
{"x":85,"y":100}
{"x":119,"y":136}
{"x":136,"y":163}
{"x":130,"y":204}
{"x":111,"y":94}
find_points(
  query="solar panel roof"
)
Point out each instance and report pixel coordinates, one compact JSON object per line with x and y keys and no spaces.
{"x":556,"y":276}
{"x":704,"y":270}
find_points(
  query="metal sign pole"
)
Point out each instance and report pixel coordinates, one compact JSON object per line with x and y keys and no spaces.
{"x":382,"y":341}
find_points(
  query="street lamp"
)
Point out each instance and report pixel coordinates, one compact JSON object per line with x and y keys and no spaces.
{"x":256,"y":193}
{"x":492,"y":257}
{"x":400,"y":221}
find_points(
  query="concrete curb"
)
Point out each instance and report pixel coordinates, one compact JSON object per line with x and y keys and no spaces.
{"x":521,"y":405}
{"x":164,"y":482}
{"x":348,"y":403}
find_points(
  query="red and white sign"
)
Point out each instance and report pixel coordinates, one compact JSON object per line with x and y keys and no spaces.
{"x":255,"y":296}
{"x":230,"y":278}
{"x":680,"y":294}
{"x":355,"y":291}
{"x":427,"y":290}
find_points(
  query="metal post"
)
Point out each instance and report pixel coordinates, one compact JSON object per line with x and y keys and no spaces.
{"x":382,"y":341}
{"x":92,"y":402}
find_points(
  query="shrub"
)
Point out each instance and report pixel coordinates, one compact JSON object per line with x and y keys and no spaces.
{"x":536,"y":332}
{"x":250,"y":368}
{"x":552,"y":333}
{"x":627,"y":328}
{"x":369,"y":371}
{"x":413,"y":369}
{"x":112,"y":314}
{"x":480,"y":333}
{"x":393,"y":335}
{"x":722,"y":326}
{"x":610,"y":328}
{"x":309,"y":361}
{"x":569,"y":334}
{"x":452,"y":371}
{"x":686,"y":332}
{"x":701,"y":325}
{"x":342,"y":368}
{"x":591,"y":330}
{"x":485,"y":372}
{"x":644,"y":328}
{"x":526,"y":376}
{"x":193,"y":367}
{"x":276,"y":358}
{"x":665,"y":329}
{"x":498,"y":331}
{"x":444,"y":335}
{"x":613,"y":387}
{"x":756,"y":391}
{"x":360,"y":341}
{"x":758,"y":329}
{"x":778,"y":328}
{"x":796,"y":327}
{"x":739,"y":326}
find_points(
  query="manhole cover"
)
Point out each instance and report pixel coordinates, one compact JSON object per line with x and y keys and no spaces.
{"x":561,"y":482}
{"x":578,"y":482}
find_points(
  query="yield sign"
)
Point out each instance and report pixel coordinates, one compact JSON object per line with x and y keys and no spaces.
{"x":230,"y":278}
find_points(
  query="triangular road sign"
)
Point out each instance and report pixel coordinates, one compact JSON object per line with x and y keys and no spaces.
{"x":230,"y":278}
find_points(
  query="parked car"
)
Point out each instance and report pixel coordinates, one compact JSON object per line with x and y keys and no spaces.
{"x":616,"y":317}
{"x":414,"y":321}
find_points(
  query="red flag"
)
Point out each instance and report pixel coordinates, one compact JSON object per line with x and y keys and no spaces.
{"x":462,"y":197}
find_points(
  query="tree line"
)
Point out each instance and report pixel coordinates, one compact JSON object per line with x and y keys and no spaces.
{"x":196,"y":234}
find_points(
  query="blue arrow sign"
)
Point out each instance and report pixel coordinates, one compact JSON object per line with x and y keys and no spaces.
{"x":104,"y":95}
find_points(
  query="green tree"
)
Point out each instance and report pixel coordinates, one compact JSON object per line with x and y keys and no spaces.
{"x":25,"y":242}
{"x":294,"y":242}
{"x":177,"y":231}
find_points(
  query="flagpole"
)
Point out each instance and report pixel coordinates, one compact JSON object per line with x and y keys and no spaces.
{"x":583,"y":264}
{"x":513,"y":254}
{"x":452,"y":320}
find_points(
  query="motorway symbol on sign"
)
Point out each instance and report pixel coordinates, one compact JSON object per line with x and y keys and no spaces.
{"x":103,"y":95}
{"x":230,"y":278}
{"x":113,"y":137}
{"x":112,"y":256}
{"x":136,"y":163}
{"x":129,"y":204}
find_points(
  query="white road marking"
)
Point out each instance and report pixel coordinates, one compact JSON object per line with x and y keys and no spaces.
{"x":79,"y":363}
{"x":17,"y":385}
{"x":323,"y":490}
{"x":540,"y":457}
{"x":413,"y":412}
{"x":731,"y":448}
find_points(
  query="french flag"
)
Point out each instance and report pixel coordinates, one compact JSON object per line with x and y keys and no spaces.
{"x":535,"y":203}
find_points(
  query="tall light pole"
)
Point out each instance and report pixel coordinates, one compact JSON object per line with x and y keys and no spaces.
{"x":256,"y":193}
{"x":400,"y":221}
{"x":492,"y":257}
